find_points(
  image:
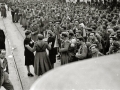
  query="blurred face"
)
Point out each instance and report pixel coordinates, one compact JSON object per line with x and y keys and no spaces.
{"x":111,"y":40}
{"x":2,"y":54}
{"x":78,"y":34}
{"x":108,"y":32}
{"x":92,"y":35}
{"x":93,"y":50}
{"x":57,"y":25}
{"x":79,"y":42}
{"x":118,"y":34}
{"x":62,"y":37}
{"x":76,"y":23}
{"x":50,"y":23}
{"x":29,"y":36}
{"x":49,"y":35}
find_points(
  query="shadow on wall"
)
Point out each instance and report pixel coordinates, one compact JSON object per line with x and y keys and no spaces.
{"x":98,"y":73}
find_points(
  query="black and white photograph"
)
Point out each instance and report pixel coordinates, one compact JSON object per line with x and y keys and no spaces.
{"x":59,"y":44}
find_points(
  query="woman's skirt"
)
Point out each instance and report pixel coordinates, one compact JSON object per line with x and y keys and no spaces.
{"x":42,"y":63}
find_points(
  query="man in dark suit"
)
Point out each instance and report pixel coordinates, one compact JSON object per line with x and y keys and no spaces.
{"x":2,"y":39}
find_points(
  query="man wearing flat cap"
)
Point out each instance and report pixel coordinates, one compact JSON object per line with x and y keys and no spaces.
{"x":95,"y":51}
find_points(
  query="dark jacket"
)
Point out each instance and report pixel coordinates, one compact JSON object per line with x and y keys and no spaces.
{"x":2,"y":39}
{"x":53,"y":51}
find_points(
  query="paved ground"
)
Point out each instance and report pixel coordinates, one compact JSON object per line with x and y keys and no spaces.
{"x":13,"y":73}
{"x":16,"y":43}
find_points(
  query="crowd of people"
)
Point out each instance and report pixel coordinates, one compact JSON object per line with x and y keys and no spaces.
{"x":70,"y":31}
{"x":74,"y":31}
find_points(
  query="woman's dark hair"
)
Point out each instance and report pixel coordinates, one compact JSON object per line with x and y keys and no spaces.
{"x":27,"y":32}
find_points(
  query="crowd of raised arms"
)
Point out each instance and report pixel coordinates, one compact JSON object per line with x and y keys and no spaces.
{"x":70,"y":31}
{"x":85,"y":29}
